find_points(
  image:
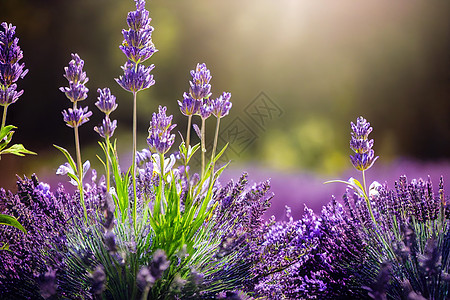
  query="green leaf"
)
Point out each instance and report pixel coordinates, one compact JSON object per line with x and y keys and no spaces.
{"x":6,"y":130}
{"x":69,"y":158}
{"x":11,"y":221}
{"x":5,"y":247}
{"x":17,"y":149}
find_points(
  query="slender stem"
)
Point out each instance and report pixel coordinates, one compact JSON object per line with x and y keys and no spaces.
{"x":133,"y":162}
{"x":4,"y":116}
{"x":80,"y":166}
{"x":203,"y":146}
{"x":161,"y":181}
{"x":215,"y":143}
{"x":108,"y":183}
{"x":188,"y":133}
{"x":80,"y":171}
{"x":369,"y":206}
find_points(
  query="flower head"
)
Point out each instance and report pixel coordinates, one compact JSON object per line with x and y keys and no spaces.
{"x":77,"y":91}
{"x":10,"y":68}
{"x":159,"y":138}
{"x":364,"y":156}
{"x":199,"y":86}
{"x":136,"y":77}
{"x":76,"y":117}
{"x":189,"y":106}
{"x":137,"y":44}
{"x":9,"y":95}
{"x":107,"y":128}
{"x":222,"y":105}
{"x":106,"y":101}
{"x":205,"y":110}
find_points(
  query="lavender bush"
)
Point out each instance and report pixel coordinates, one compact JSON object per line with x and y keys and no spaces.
{"x":162,"y":230}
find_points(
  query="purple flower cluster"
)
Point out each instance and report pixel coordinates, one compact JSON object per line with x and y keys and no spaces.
{"x":198,"y":102}
{"x":10,"y":68}
{"x":138,"y":47}
{"x":77,"y":91}
{"x":107,"y":104}
{"x":364,"y":156}
{"x":76,"y":117}
{"x":26,"y":270}
{"x":159,"y":137}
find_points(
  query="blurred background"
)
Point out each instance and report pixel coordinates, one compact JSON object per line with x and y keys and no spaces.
{"x":299,"y":72}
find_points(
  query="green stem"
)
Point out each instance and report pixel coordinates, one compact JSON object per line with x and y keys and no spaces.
{"x":108,"y":183}
{"x":188,"y":133}
{"x":4,"y":116}
{"x":161,"y":181}
{"x":366,"y":196}
{"x":203,"y":146}
{"x":80,"y":171}
{"x":216,"y":136}
{"x":133,"y":162}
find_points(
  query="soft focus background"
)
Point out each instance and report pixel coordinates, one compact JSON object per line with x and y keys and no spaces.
{"x":298,"y":71}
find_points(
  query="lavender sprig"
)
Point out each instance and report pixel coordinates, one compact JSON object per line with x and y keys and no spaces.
{"x":10,"y":68}
{"x":10,"y":71}
{"x":137,"y":47}
{"x":220,"y":107}
{"x":107,"y":104}
{"x":75,"y":117}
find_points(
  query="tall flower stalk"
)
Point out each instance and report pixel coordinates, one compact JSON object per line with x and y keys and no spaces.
{"x":106,"y":103}
{"x":10,"y":68}
{"x":220,"y":108}
{"x":137,"y":47}
{"x":364,"y":156}
{"x":76,"y":116}
{"x":10,"y":71}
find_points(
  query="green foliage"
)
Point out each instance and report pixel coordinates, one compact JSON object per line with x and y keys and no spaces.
{"x":11,"y":221}
{"x":6,"y":134}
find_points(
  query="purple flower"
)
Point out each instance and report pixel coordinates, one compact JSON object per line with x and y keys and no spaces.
{"x":205,"y":110}
{"x":199,"y":86}
{"x":107,"y":128}
{"x":98,"y":280}
{"x":137,"y":44}
{"x":160,"y":139}
{"x":74,"y":72}
{"x":77,"y":91}
{"x":76,"y":117}
{"x":9,"y":95}
{"x":222,"y":105}
{"x":106,"y":101}
{"x":364,"y":156}
{"x":189,"y":106}
{"x":136,"y":77}
{"x":10,"y":69}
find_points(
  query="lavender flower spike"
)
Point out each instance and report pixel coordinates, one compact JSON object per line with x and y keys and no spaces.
{"x":364,"y":156}
{"x":189,"y":106}
{"x":10,"y":68}
{"x":76,"y":117}
{"x":77,"y":91}
{"x":136,"y":78}
{"x":159,"y":138}
{"x":222,"y":105}
{"x":199,"y":86}
{"x":9,"y":95}
{"x":107,"y":128}
{"x":137,"y":44}
{"x":106,"y":101}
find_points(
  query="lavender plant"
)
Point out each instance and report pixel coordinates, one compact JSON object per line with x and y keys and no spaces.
{"x":161,"y":231}
{"x":74,"y":118}
{"x":137,"y":47}
{"x":10,"y":72}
